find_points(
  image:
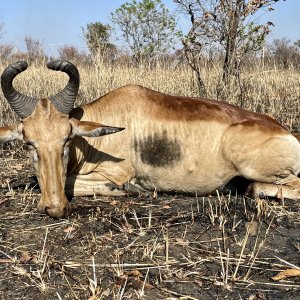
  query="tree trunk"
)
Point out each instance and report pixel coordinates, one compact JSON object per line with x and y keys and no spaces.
{"x":193,"y":60}
{"x":230,"y":61}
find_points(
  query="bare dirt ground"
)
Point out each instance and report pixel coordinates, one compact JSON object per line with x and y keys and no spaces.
{"x":159,"y":247}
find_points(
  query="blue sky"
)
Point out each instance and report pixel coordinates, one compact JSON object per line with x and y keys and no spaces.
{"x":59,"y":22}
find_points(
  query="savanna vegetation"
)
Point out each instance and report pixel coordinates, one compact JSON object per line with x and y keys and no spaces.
{"x":268,"y":84}
{"x":156,"y":246}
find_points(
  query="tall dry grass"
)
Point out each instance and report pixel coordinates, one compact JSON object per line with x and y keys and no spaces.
{"x":265,"y":89}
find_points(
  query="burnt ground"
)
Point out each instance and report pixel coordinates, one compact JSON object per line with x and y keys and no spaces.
{"x":159,"y":247}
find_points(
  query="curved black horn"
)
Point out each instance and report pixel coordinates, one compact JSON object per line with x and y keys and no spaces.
{"x":23,"y":105}
{"x":64,"y":100}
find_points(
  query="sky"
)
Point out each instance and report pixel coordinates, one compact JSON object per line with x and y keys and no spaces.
{"x":59,"y":22}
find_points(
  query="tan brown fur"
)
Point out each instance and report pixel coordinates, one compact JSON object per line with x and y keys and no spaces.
{"x":46,"y":130}
{"x":144,"y":112}
{"x":170,"y":144}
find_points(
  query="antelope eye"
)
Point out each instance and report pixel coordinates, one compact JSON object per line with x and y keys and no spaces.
{"x":29,"y":146}
{"x":66,"y":141}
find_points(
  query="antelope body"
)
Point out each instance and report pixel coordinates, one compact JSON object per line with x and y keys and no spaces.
{"x":170,"y":143}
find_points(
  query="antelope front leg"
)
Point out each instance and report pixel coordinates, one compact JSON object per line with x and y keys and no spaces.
{"x":92,"y":184}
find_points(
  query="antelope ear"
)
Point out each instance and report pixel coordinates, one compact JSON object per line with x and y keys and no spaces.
{"x":11,"y":133}
{"x":91,"y":129}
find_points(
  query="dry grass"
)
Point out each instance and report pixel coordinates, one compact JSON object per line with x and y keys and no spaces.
{"x":264,"y":89}
{"x":145,"y":248}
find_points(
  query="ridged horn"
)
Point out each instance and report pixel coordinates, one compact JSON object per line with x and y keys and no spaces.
{"x":22,"y":105}
{"x":64,"y":100}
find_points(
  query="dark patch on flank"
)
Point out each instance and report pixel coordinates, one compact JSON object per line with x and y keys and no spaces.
{"x":158,"y":150}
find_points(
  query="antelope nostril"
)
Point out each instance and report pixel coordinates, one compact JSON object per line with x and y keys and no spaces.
{"x":67,"y":210}
{"x":47,"y":210}
{"x":58,"y":212}
{"x":41,"y":208}
{"x":55,"y":213}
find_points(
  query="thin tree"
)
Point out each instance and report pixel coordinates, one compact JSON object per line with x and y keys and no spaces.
{"x":35,"y":49}
{"x":148,"y":28}
{"x":97,"y":36}
{"x":230,"y":24}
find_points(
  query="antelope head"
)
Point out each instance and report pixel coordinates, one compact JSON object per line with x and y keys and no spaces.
{"x":47,"y":129}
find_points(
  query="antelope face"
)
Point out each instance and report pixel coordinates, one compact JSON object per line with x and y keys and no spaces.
{"x":47,"y":130}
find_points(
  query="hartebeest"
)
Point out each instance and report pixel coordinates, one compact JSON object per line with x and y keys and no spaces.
{"x":171,"y":143}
